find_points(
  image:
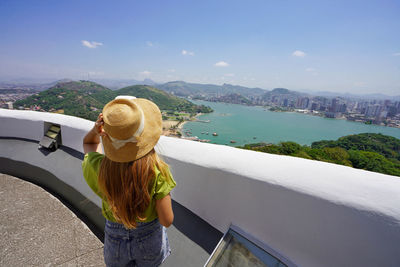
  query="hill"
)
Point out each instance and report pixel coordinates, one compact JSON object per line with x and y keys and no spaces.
{"x":164,"y":100}
{"x":232,"y":98}
{"x":82,"y":99}
{"x":281,"y":92}
{"x":86,"y":99}
{"x":368,"y":151}
{"x":181,"y":88}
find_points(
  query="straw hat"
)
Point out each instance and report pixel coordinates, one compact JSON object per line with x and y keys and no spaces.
{"x":133,"y":126}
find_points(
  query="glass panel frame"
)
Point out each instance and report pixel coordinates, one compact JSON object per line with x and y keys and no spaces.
{"x":237,"y":246}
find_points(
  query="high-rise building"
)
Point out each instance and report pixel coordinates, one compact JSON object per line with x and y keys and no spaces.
{"x":314,"y":106}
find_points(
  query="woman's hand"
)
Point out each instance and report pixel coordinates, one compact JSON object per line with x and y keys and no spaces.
{"x":91,"y":141}
{"x":98,"y":126}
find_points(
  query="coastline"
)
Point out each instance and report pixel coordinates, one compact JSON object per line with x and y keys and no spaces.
{"x":389,"y":125}
{"x":178,"y":131}
{"x":180,"y":126}
{"x":274,"y":127}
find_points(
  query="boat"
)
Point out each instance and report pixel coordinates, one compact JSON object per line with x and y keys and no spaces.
{"x":215,"y":134}
{"x":233,"y":141}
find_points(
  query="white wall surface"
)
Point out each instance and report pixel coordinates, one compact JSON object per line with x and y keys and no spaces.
{"x":313,"y":213}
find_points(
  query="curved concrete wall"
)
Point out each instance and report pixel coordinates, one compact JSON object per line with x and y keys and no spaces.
{"x":313,"y":213}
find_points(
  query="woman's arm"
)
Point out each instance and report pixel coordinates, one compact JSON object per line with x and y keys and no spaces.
{"x":91,"y":141}
{"x":164,"y":210}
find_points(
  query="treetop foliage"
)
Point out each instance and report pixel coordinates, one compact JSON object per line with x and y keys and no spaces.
{"x":368,"y":151}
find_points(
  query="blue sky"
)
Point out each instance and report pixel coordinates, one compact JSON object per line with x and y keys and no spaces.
{"x":339,"y":46}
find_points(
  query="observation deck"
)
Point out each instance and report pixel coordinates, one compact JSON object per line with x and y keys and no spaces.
{"x":302,"y":212}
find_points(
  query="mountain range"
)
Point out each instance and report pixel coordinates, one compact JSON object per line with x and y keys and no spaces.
{"x":185,"y":89}
{"x":181,"y":88}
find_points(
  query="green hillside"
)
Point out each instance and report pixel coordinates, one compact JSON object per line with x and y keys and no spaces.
{"x":368,"y":151}
{"x":82,"y":99}
{"x":86,"y":99}
{"x":232,"y":98}
{"x":164,"y":100}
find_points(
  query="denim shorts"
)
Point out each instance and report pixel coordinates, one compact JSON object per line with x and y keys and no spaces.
{"x":147,"y":245}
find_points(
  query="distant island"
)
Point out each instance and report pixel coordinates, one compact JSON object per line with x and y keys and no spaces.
{"x":368,"y":151}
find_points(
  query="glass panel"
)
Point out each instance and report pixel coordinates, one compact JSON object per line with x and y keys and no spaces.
{"x":51,"y":134}
{"x":55,"y":129}
{"x":236,"y":250}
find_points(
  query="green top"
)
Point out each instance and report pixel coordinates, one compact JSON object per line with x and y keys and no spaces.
{"x":161,"y":187}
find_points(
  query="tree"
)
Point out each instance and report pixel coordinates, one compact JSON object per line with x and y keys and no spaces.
{"x":288,"y":148}
{"x":373,"y":161}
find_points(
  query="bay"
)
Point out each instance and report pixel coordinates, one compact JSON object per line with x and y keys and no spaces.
{"x":248,"y":124}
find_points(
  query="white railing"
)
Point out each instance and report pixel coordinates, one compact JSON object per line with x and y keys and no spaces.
{"x":313,"y":213}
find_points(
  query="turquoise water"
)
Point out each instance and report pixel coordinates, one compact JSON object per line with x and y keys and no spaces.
{"x":243,"y":123}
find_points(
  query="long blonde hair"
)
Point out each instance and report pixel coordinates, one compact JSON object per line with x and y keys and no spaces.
{"x":127,"y":186}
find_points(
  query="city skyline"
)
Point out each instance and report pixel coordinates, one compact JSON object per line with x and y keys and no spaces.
{"x":339,"y":47}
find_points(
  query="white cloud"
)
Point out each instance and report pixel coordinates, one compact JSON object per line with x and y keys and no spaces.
{"x":299,"y":53}
{"x":171,"y":70}
{"x":221,"y":64}
{"x":187,"y":53}
{"x":229,"y":75}
{"x":145,"y":73}
{"x":149,"y":43}
{"x":91,"y":44}
{"x":396,"y":54}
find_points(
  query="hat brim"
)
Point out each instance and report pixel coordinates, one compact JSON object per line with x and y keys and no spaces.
{"x":145,"y":142}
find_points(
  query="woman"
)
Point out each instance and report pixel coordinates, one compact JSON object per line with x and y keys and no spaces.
{"x":132,"y":181}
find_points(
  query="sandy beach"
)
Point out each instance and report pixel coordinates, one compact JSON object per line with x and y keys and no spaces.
{"x":170,"y":130}
{"x":168,"y":127}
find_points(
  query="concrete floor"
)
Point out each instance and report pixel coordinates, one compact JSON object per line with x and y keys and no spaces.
{"x":37,"y":229}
